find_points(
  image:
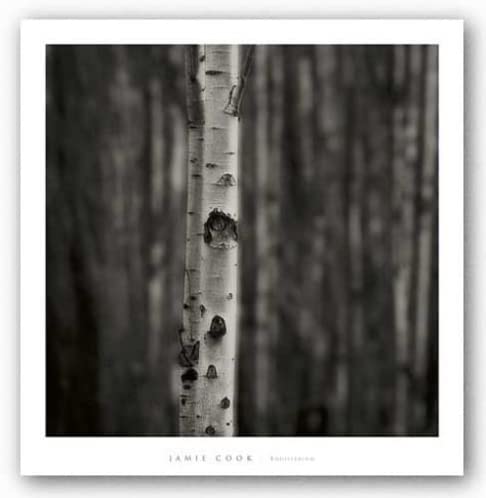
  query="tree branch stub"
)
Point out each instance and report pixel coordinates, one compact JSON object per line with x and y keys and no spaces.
{"x":220,"y":230}
{"x":217,"y":328}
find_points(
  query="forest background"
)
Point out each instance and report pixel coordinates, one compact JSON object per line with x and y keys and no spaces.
{"x":338,"y":236}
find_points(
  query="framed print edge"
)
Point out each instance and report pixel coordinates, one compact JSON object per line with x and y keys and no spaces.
{"x":252,"y":456}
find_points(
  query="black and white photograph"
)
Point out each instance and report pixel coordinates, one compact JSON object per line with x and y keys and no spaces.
{"x":243,"y":242}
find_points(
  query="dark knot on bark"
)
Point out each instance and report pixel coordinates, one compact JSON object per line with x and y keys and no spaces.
{"x":188,"y":377}
{"x":227,"y":180}
{"x":225,"y":403}
{"x":210,"y":430}
{"x":220,"y":230}
{"x":212,"y":373}
{"x":217,"y":328}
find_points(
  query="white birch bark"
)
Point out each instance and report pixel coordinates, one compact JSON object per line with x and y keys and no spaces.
{"x":215,"y":386}
{"x":191,"y":328}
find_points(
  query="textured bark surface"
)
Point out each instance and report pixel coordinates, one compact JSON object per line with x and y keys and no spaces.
{"x":215,"y":387}
{"x":192,"y":310}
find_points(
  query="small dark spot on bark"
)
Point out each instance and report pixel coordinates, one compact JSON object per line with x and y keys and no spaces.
{"x":229,"y":296}
{"x":192,"y":298}
{"x":210,"y":430}
{"x":203,"y":309}
{"x":211,"y":165}
{"x":227,"y":423}
{"x":225,"y":403}
{"x":190,"y":375}
{"x":227,"y":180}
{"x":198,"y":416}
{"x":212,"y":72}
{"x":186,"y":306}
{"x":202,"y":58}
{"x":183,"y":401}
{"x":212,"y":374}
{"x":217,"y":328}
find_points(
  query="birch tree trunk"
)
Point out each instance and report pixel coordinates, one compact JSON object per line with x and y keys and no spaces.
{"x":215,"y":383}
{"x":191,"y":328}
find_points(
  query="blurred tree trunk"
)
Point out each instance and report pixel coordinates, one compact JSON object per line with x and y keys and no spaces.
{"x":267,"y":206}
{"x":402,"y":239}
{"x":425,"y":221}
{"x":378,"y":296}
{"x":156,"y":178}
{"x":247,"y":419}
{"x":123,"y":339}
{"x":355,"y":112}
{"x":191,"y":332}
{"x":154,"y":199}
{"x":321,"y":70}
{"x":263,"y":318}
{"x":274,"y":199}
{"x":337,"y":207}
{"x":307,"y":239}
{"x":215,"y":383}
{"x":72,"y":250}
{"x":288,"y":362}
